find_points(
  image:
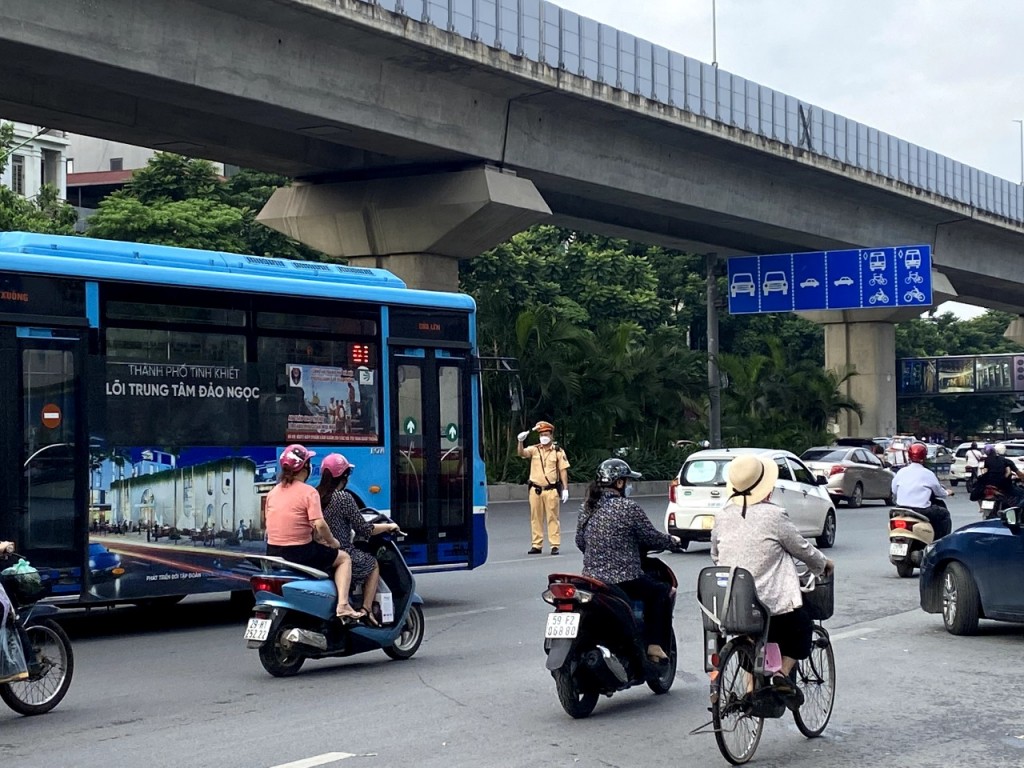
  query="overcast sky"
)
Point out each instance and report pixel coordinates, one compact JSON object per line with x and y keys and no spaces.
{"x":944,"y":74}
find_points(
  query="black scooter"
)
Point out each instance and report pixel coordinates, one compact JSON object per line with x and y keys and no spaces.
{"x":594,"y":639}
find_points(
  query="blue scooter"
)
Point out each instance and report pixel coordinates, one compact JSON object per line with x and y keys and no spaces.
{"x":294,"y":616}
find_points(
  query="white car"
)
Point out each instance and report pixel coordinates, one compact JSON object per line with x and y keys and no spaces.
{"x":698,"y":492}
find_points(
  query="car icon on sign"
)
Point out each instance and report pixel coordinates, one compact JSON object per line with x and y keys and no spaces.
{"x":844,"y":280}
{"x":775,"y":281}
{"x":742,"y":282}
{"x":810,"y":282}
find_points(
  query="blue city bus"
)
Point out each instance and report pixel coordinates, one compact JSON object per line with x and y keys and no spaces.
{"x":147,"y":392}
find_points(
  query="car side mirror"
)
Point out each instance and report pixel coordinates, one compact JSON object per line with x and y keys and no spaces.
{"x":1012,"y":518}
{"x":822,"y":481}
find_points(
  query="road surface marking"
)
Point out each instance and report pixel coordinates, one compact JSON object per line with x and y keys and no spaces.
{"x":854,"y":633}
{"x":435,"y":617}
{"x":312,"y":762}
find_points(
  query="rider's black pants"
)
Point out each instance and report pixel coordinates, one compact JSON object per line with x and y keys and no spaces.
{"x":657,"y":608}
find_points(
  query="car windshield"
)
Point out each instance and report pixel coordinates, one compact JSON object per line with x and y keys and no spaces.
{"x":1015,"y":450}
{"x":823,"y":454}
{"x":704,"y":472}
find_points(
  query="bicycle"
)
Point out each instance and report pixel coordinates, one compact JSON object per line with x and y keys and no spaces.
{"x":735,"y":641}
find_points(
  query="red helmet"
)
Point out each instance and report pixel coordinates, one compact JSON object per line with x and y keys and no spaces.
{"x":295,"y":457}
{"x":336,"y":465}
{"x":917,"y":452}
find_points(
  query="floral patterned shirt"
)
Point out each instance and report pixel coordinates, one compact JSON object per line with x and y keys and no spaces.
{"x":343,"y":517}
{"x":613,"y":536}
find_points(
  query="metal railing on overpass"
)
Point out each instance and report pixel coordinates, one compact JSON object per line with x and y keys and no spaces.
{"x":543,"y":32}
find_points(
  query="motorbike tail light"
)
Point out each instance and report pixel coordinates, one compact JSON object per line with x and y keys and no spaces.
{"x":672,"y":490}
{"x":267,"y":584}
{"x":837,"y":469}
{"x":562,"y":591}
{"x":906,"y":525}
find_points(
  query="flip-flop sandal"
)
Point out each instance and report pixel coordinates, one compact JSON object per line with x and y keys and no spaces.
{"x":370,"y":619}
{"x":351,"y":617}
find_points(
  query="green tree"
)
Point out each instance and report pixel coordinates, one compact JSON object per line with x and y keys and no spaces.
{"x":46,"y":212}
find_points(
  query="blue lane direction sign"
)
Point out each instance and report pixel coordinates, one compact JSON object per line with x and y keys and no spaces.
{"x":866,"y":278}
{"x":809,"y":280}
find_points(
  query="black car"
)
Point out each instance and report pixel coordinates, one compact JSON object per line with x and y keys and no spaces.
{"x":976,"y":573}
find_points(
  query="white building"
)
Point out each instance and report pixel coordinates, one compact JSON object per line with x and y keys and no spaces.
{"x":37,"y":156}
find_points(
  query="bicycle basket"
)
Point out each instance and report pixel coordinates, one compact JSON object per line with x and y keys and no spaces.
{"x":744,"y":614}
{"x":820,"y":601}
{"x":23,"y":587}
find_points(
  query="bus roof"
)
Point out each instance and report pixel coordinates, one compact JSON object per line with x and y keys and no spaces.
{"x":90,"y":258}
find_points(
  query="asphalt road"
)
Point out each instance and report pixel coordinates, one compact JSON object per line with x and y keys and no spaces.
{"x":179,"y":688}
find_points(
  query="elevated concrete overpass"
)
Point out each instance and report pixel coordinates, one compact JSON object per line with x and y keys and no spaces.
{"x":421,"y":145}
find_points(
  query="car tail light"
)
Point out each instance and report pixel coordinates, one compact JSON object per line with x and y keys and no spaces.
{"x":672,"y":490}
{"x":837,"y":469}
{"x":268,"y":584}
{"x":671,"y":519}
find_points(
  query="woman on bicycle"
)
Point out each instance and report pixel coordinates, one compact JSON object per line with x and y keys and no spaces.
{"x":754,"y":534}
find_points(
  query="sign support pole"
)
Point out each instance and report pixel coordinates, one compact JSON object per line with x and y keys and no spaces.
{"x":714,"y":377}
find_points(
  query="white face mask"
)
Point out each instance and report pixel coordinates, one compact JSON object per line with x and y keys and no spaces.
{"x":628,"y":490}
{"x":545,"y":439}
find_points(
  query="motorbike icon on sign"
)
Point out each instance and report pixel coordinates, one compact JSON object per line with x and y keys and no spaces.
{"x":914,"y":295}
{"x":879,"y":298}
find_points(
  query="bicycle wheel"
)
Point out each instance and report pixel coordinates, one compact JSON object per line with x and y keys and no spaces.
{"x":736,"y":731}
{"x":816,"y":677}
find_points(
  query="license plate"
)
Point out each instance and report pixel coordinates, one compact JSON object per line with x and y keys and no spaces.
{"x":897,"y":549}
{"x":562,"y":625}
{"x":989,"y":504}
{"x":257,"y":629}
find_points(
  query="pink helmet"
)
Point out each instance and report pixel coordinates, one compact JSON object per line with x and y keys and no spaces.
{"x":336,"y":465}
{"x":295,"y":457}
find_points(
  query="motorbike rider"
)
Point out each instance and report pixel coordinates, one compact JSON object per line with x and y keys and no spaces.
{"x":1001,"y":472}
{"x":915,"y":486}
{"x":612,"y":533}
{"x":975,"y":456}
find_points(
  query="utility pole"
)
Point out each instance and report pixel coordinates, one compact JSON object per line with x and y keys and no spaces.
{"x":714,"y":377}
{"x":1021,"y":124}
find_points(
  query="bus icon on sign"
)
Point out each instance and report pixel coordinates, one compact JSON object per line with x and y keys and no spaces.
{"x":876,"y":260}
{"x":912,"y":258}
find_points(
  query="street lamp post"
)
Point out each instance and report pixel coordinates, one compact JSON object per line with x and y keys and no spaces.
{"x":714,"y":35}
{"x":1021,"y":124}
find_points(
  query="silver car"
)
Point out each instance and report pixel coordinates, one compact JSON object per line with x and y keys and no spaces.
{"x":852,"y":474}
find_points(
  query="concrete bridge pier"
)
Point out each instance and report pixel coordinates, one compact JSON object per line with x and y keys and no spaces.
{"x":418,"y":227}
{"x":865,"y":340}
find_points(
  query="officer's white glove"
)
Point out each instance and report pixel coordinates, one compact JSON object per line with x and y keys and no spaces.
{"x":565,"y":495}
{"x":522,"y":436}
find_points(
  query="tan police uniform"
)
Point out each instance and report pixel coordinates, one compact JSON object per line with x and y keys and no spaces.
{"x":546,"y":465}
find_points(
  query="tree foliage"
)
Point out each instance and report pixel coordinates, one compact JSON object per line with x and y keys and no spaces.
{"x":182,"y":201}
{"x":609,"y":335}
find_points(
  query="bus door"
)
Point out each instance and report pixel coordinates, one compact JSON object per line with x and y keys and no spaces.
{"x":431,"y":475}
{"x":43,"y":448}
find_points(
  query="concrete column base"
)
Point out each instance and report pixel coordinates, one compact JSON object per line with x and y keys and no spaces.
{"x":416,"y":226}
{"x":870,"y":348}
{"x":425,"y":271}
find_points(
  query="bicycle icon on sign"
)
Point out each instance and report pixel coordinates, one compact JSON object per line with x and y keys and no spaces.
{"x":878,"y":279}
{"x":914,"y":295}
{"x":880,"y":297}
{"x":915,"y":277}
